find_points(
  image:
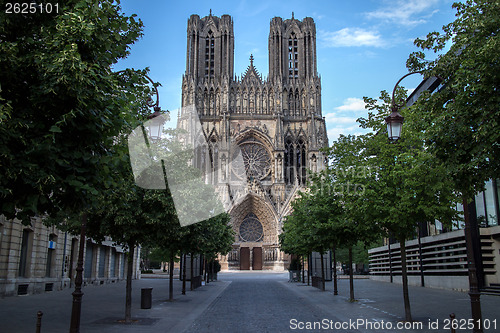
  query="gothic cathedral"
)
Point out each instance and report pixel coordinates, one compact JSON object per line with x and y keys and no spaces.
{"x":275,"y":123}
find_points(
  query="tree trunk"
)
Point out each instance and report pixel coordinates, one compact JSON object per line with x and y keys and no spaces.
{"x":202,"y":266}
{"x":128,"y":292}
{"x":171,"y":280}
{"x":322,"y":273}
{"x":308,"y":268}
{"x":184,"y":274}
{"x":76,"y":308}
{"x":351,"y":278}
{"x":390,"y":258}
{"x":207,"y":272}
{"x":335,"y":290}
{"x":404,"y":277}
{"x":191,"y":275}
{"x":303,"y":266}
{"x":420,"y":257}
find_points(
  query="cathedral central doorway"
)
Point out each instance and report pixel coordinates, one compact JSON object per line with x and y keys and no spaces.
{"x":244,"y":258}
{"x":253,"y":256}
{"x":257,"y":259}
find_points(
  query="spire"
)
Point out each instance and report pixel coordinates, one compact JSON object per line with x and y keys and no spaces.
{"x":211,"y":12}
{"x":251,"y":71}
{"x":292,"y":15}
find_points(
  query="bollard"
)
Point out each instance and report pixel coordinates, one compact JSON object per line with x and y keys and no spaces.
{"x":39,"y":315}
{"x":452,"y":317}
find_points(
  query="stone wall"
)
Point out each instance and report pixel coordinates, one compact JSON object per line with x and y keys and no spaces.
{"x":37,"y":258}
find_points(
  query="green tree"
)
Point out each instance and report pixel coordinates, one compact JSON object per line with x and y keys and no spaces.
{"x":130,"y":215}
{"x":63,"y":104}
{"x":348,"y":173}
{"x":312,"y":225}
{"x":193,"y":198}
{"x":359,"y":252}
{"x":64,"y":108}
{"x":461,"y":121}
{"x":407,"y":186}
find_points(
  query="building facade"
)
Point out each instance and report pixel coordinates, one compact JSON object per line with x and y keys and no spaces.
{"x":275,"y":123}
{"x":35,"y":259}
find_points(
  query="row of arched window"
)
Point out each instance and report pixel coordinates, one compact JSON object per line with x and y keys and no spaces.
{"x":294,"y":104}
{"x":295,"y":161}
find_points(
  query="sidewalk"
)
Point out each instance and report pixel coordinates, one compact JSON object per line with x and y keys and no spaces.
{"x":103,"y":305}
{"x":382,"y":301}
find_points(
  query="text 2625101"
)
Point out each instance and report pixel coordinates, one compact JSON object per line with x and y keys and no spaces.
{"x":31,"y":8}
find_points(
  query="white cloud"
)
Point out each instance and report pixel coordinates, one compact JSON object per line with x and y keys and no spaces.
{"x":317,"y":16}
{"x":335,"y":132}
{"x":343,"y":119}
{"x":348,"y":37}
{"x":405,"y":12}
{"x":352,"y":104}
{"x":333,"y":118}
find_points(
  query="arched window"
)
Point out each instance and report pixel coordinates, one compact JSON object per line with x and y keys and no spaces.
{"x":293,"y":58}
{"x":198,"y":154}
{"x":214,"y":159}
{"x":289,"y":162}
{"x":211,"y":103}
{"x":203,"y":159}
{"x":296,"y":104}
{"x":301,"y":161}
{"x":205,"y":103}
{"x":209,"y":55}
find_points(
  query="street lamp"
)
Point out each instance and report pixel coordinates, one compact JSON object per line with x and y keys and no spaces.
{"x":394,"y":125}
{"x":155,"y":123}
{"x":395,"y":121}
{"x":156,"y":120}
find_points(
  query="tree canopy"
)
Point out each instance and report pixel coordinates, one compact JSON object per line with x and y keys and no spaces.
{"x":461,"y":121}
{"x":62,"y":105}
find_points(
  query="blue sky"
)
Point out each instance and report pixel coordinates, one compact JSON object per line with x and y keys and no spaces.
{"x":362,"y":46}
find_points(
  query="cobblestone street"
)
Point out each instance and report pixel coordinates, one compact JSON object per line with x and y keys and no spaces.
{"x":245,"y":302}
{"x":253,"y":304}
{"x":265,"y":302}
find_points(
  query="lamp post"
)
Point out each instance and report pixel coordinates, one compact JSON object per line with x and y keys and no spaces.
{"x":154,"y":131}
{"x":156,"y":120}
{"x":395,"y":121}
{"x":394,"y":125}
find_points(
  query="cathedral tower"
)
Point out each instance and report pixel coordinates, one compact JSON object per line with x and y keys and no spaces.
{"x":210,"y":47}
{"x":276,"y":123}
{"x":292,"y":49}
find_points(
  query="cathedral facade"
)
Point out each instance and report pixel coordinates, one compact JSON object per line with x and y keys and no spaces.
{"x":274,"y":123}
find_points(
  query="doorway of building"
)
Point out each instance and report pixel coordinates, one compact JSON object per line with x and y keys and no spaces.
{"x":257,"y":259}
{"x":244,"y":258}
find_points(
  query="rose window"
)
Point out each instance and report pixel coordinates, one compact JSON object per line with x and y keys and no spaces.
{"x":256,"y":161}
{"x":251,"y":229}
